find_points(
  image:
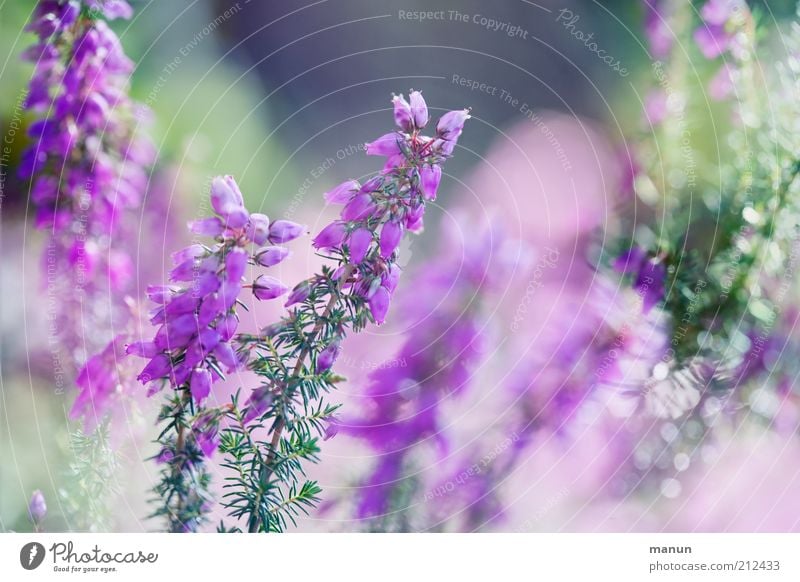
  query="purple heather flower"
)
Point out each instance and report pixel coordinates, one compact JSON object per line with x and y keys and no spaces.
{"x":414,"y":219}
{"x":198,"y":321}
{"x":200,"y":385}
{"x":650,"y":284}
{"x":37,"y":508}
{"x":716,"y":35}
{"x":657,"y":30}
{"x":360,"y":207}
{"x":101,"y":380}
{"x":630,"y":261}
{"x":266,"y":287}
{"x":205,"y":429}
{"x":429,"y":177}
{"x":359,"y":242}
{"x":299,"y":294}
{"x":258,"y":403}
{"x":402,"y":113}
{"x":327,"y":357}
{"x":271,"y":256}
{"x":111,"y":9}
{"x":142,"y":349}
{"x":403,"y":410}
{"x":656,"y":107}
{"x":342,"y":193}
{"x":649,"y":275}
{"x":211,"y":226}
{"x":451,"y":124}
{"x":331,"y":428}
{"x":226,"y":199}
{"x":372,"y":185}
{"x":419,"y":109}
{"x":282,"y":231}
{"x":386,"y":145}
{"x":258,"y":228}
{"x":236,"y":264}
{"x":194,"y":251}
{"x":379,"y":304}
{"x":88,"y":164}
{"x":331,"y":236}
{"x":227,"y":356}
{"x":391,"y":234}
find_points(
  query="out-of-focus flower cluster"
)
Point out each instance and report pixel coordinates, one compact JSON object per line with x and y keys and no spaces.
{"x":87,"y":160}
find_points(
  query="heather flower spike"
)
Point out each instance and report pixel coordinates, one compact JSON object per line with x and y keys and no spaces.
{"x":195,"y":344}
{"x":196,"y":340}
{"x":88,"y":165}
{"x":296,"y":356}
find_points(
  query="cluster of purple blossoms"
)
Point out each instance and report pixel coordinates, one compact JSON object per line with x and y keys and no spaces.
{"x":657,"y":27}
{"x":394,"y":200}
{"x":87,"y":161}
{"x":196,"y":314}
{"x":105,"y":376}
{"x":721,"y":33}
{"x":448,"y":340}
{"x":721,"y":20}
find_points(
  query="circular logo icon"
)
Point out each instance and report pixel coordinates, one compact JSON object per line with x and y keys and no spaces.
{"x":31,"y":555}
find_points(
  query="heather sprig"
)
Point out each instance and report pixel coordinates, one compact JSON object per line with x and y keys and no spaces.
{"x":87,"y":163}
{"x":268,"y":437}
{"x":276,"y":430}
{"x":194,"y":347}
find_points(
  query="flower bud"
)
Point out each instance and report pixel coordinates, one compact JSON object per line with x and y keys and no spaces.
{"x":379,"y":305}
{"x":200,"y":385}
{"x":37,"y":508}
{"x":211,"y":226}
{"x":266,"y":287}
{"x":258,"y":228}
{"x":359,"y":243}
{"x":271,"y":256}
{"x":299,"y":294}
{"x":429,"y":178}
{"x":332,"y":236}
{"x":402,"y":114}
{"x":359,"y":208}
{"x":386,"y":145}
{"x":282,"y":231}
{"x":342,"y":193}
{"x":451,"y":124}
{"x":419,"y":109}
{"x":327,"y":357}
{"x":391,"y":233}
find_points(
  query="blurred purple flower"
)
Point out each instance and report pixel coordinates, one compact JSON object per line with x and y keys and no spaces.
{"x":37,"y":508}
